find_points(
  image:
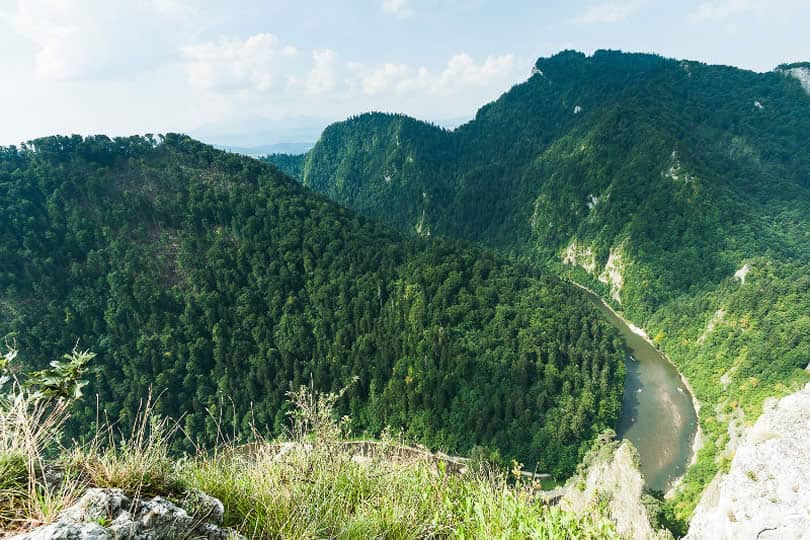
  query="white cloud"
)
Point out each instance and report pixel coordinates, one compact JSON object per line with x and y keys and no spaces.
{"x":460,"y":73}
{"x":77,"y":39}
{"x":399,"y":8}
{"x":725,"y":8}
{"x":607,"y":12}
{"x":323,"y":75}
{"x":232,"y":64}
{"x":384,"y":77}
{"x":289,"y":50}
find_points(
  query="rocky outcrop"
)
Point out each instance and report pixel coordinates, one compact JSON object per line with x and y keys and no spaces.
{"x":612,"y":275}
{"x":766,"y":492}
{"x":108,"y":514}
{"x":802,"y":74}
{"x":612,"y":486}
{"x":579,"y":255}
{"x":742,"y":272}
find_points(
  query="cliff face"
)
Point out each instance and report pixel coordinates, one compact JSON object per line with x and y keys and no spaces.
{"x":802,"y":74}
{"x":611,"y":487}
{"x":766,"y":494}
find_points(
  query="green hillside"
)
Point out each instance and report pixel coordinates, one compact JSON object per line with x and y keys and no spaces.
{"x":221,"y":284}
{"x":678,"y":190}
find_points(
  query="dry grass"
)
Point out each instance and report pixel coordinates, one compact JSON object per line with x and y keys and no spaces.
{"x":139,"y":461}
{"x":312,"y":487}
{"x":316,"y":486}
{"x":30,"y":429}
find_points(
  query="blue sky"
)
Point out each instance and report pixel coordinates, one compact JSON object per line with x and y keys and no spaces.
{"x":258,"y":70}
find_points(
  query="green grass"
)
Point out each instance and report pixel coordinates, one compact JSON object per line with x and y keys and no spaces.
{"x":318,"y":488}
{"x":30,"y":429}
{"x":140,"y":462}
{"x":322,"y":492}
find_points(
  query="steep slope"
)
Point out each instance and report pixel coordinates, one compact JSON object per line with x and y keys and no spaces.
{"x":680,"y":191}
{"x":765,"y":493}
{"x":222,"y":284}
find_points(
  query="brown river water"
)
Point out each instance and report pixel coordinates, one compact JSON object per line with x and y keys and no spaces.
{"x":658,"y":415}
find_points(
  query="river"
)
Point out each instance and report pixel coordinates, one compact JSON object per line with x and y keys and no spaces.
{"x":658,"y":415}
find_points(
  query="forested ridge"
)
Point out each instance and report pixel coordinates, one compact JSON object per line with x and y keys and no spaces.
{"x":221,"y":284}
{"x":679,"y":191}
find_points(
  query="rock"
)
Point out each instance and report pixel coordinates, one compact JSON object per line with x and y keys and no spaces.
{"x":612,"y":484}
{"x":802,"y":74}
{"x":612,"y":273}
{"x":204,"y":507}
{"x":766,"y":492}
{"x":96,"y":505}
{"x":742,"y":272}
{"x":103,"y":514}
{"x":67,"y":531}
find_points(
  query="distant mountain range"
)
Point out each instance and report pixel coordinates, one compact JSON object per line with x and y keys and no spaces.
{"x":292,"y":148}
{"x":257,"y":136}
{"x":249,"y":131}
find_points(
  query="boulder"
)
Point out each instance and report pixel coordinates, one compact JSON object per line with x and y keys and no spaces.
{"x":108,"y":514}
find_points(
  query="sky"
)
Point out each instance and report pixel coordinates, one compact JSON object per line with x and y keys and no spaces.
{"x":255,"y":72}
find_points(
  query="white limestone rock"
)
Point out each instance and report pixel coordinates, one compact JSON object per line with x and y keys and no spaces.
{"x":108,"y":514}
{"x":802,"y":74}
{"x":766,"y":493}
{"x":612,"y":274}
{"x":579,"y":255}
{"x":742,"y":272}
{"x":612,"y":477}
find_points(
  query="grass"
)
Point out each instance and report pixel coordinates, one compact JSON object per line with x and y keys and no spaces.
{"x":319,"y":489}
{"x":139,"y":462}
{"x":29,"y":434}
{"x":314,"y":486}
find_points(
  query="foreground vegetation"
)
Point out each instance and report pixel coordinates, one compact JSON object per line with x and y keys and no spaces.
{"x":317,"y":489}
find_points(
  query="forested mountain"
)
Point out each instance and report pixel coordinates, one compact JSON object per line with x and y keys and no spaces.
{"x":678,"y":190}
{"x":222,"y":284}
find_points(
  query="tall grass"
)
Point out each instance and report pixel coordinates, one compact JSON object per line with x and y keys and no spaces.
{"x":30,"y":429}
{"x":138,"y":461}
{"x":314,"y":486}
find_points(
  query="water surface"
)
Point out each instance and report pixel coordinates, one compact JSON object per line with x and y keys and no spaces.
{"x":657,"y":416}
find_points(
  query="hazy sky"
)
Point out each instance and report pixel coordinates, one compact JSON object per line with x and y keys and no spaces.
{"x":136,"y":66}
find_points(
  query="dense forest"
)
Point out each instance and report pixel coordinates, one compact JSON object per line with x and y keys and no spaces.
{"x":222,"y":284}
{"x":679,"y":191}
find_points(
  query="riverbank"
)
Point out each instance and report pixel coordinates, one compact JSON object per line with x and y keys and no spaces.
{"x":696,"y":441}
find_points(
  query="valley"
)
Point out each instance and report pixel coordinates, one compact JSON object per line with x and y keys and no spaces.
{"x":405,"y":270}
{"x":219,"y":278}
{"x":469,"y":290}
